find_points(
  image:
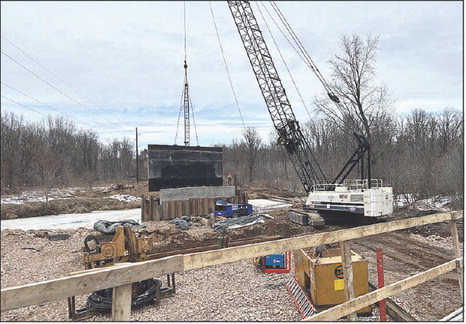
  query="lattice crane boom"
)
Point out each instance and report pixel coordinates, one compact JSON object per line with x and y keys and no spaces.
{"x":283,"y":118}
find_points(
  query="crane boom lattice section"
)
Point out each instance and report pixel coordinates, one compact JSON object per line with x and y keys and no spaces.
{"x":284,"y":120}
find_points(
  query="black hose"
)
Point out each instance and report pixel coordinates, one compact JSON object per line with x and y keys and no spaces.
{"x":101,"y":301}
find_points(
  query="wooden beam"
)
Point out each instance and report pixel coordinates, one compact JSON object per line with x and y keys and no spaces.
{"x":121,"y":303}
{"x":205,"y":259}
{"x":345,"y":308}
{"x":457,"y":253}
{"x":347,"y":264}
{"x":395,"y":311}
{"x":37,"y":293}
{"x":80,"y":284}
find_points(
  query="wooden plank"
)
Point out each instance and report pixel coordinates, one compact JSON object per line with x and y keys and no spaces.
{"x":80,"y":284}
{"x":143,"y":208}
{"x":457,"y":254}
{"x":211,"y":206}
{"x":334,"y":313}
{"x":452,"y":316}
{"x":186,"y":211}
{"x":157,"y":211}
{"x":398,"y":313}
{"x":179,"y":208}
{"x":151,"y":208}
{"x":205,"y":205}
{"x":395,"y":311}
{"x":205,"y":259}
{"x":347,"y":264}
{"x":33,"y":294}
{"x":121,"y":303}
{"x":191,"y":207}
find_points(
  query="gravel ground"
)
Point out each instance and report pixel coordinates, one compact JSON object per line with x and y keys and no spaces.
{"x":228,"y":292}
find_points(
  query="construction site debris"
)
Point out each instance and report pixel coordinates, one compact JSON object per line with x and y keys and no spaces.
{"x":181,"y":223}
{"x":108,"y":227}
{"x":243,"y":221}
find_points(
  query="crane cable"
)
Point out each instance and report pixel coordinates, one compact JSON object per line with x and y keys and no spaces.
{"x":283,"y":59}
{"x":296,"y":87}
{"x":226,"y":66}
{"x":185,"y":82}
{"x":307,"y":58}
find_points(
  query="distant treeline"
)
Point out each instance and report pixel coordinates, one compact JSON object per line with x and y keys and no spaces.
{"x":55,"y":152}
{"x":420,"y":154}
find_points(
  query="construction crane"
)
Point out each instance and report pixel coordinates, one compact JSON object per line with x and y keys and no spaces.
{"x":363,"y":196}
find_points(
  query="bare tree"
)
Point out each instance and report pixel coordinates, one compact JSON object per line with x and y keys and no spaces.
{"x":362,"y":103}
{"x":49,"y":168}
{"x":252,"y":142}
{"x":89,"y":146}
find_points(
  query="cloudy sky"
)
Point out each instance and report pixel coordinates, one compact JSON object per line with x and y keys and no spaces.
{"x":115,"y":66}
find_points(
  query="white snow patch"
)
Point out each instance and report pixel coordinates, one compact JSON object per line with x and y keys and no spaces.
{"x":70,"y":221}
{"x":38,"y":195}
{"x":126,"y":198}
{"x":435,"y":202}
{"x":266,"y":204}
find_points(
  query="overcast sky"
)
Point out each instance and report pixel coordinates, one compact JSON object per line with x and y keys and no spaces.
{"x":122,"y":62}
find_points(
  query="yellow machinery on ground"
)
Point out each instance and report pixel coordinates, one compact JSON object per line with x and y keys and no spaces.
{"x":124,"y":247}
{"x":321,"y":276}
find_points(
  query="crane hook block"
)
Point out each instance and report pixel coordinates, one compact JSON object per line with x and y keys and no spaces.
{"x":333,"y":97}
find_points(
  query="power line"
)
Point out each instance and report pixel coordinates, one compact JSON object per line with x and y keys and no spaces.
{"x":226,"y":66}
{"x":44,"y":104}
{"x":46,"y":69}
{"x":71,"y":98}
{"x":25,"y":106}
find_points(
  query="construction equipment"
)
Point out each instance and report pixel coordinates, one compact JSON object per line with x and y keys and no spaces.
{"x":275,"y":263}
{"x":233,"y":210}
{"x":366,"y":197}
{"x":123,"y":247}
{"x":319,"y":272}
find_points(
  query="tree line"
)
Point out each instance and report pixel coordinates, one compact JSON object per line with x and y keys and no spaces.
{"x":419,"y":154}
{"x":55,"y":152}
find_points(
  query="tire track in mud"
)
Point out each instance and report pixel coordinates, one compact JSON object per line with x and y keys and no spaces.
{"x":405,"y":256}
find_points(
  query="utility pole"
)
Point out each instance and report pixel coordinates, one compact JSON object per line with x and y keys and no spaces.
{"x":137,"y":157}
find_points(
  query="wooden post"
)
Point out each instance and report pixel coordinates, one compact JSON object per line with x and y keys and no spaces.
{"x":143,"y":210}
{"x":157,"y":210}
{"x":121,"y":303}
{"x":179,"y":208}
{"x":157,"y":292}
{"x":348,"y":274}
{"x":173,"y":283}
{"x":186,"y":210}
{"x":457,"y":253}
{"x":381,"y":284}
{"x":151,"y":207}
